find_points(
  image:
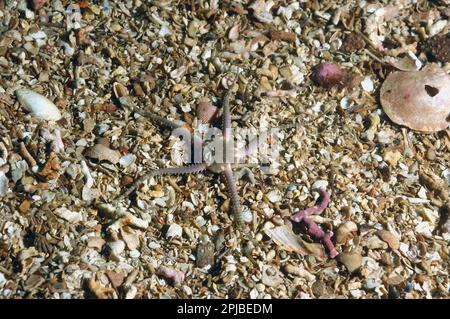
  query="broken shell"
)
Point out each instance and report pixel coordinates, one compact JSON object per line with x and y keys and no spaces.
{"x":127,"y":160}
{"x":344,"y":232}
{"x":131,"y":292}
{"x":38,"y":105}
{"x":300,"y":272}
{"x":70,"y":216}
{"x":374,"y":242}
{"x":3,"y":184}
{"x":419,"y":100}
{"x":262,"y":10}
{"x":367,"y":84}
{"x":351,"y":261}
{"x":407,"y":63}
{"x":130,"y":237}
{"x":174,"y":230}
{"x":116,"y":247}
{"x":233,"y":34}
{"x":96,"y":242}
{"x":103,"y":153}
{"x":389,"y":238}
{"x":119,"y":90}
{"x":285,"y":237}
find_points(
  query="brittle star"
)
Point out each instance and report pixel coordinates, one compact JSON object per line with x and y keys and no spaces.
{"x":216,"y":167}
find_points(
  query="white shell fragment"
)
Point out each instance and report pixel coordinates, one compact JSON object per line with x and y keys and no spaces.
{"x":174,"y":230}
{"x":419,"y":100}
{"x":409,"y":62}
{"x":367,"y":84}
{"x":70,"y":216}
{"x":38,"y":105}
{"x":127,"y":160}
{"x":3,"y":184}
{"x":285,"y":237}
{"x":87,"y":174}
{"x":116,"y":247}
{"x":262,"y":9}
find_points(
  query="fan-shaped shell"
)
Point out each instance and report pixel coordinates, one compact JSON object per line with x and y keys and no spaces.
{"x":419,"y":100}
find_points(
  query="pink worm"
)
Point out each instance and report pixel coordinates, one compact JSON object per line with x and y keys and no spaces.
{"x":313,"y":229}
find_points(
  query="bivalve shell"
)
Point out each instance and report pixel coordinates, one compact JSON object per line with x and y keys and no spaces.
{"x":419,"y":100}
{"x":38,"y":105}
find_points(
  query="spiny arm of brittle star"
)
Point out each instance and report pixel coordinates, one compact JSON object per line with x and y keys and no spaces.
{"x":235,"y":200}
{"x":226,"y":116}
{"x":157,"y":119}
{"x":196,"y":168}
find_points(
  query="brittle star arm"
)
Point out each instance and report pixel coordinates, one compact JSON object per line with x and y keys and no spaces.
{"x":235,"y":200}
{"x":157,"y":119}
{"x":196,"y":168}
{"x":226,"y":129}
{"x":226,"y":116}
{"x":160,"y":120}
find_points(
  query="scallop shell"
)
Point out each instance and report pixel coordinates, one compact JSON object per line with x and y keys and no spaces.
{"x":419,"y":100}
{"x":38,"y":105}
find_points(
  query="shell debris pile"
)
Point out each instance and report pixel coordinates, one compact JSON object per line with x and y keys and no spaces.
{"x":350,"y":85}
